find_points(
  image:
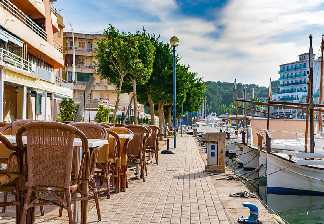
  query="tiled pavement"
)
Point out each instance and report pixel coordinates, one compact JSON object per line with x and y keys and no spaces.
{"x":176,"y":191}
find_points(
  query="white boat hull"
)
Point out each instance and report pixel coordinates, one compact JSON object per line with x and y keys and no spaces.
{"x":263,"y":163}
{"x":287,"y":178}
{"x":247,"y":156}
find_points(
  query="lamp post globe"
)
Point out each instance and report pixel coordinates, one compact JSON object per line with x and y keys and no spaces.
{"x":174,"y":41}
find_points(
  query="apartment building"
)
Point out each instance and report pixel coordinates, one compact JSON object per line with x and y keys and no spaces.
{"x":293,"y":79}
{"x":31,"y":60}
{"x":88,"y":88}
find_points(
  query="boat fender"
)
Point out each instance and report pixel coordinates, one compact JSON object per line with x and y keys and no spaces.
{"x":254,"y":214}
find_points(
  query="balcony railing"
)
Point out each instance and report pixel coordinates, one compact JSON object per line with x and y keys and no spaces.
{"x":43,"y":73}
{"x":14,"y":60}
{"x":15,"y":11}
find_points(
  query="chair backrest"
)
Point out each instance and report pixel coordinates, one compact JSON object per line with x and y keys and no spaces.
{"x":152,"y":139}
{"x":91,"y":130}
{"x":49,"y":153}
{"x":122,"y":130}
{"x":12,"y":128}
{"x":137,"y":145}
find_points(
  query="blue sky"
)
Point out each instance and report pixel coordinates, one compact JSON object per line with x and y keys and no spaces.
{"x":220,"y":39}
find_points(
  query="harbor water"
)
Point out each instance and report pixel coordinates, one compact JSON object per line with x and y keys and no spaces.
{"x":294,"y":209}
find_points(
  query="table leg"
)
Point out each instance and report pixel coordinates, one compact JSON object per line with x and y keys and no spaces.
{"x":123,"y":178}
{"x":84,"y":203}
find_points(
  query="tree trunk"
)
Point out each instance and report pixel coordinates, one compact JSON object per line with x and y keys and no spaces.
{"x":169,"y":116}
{"x":128,"y":109}
{"x":161,"y":115}
{"x":118,"y":98}
{"x":151,"y":106}
{"x":135,"y":102}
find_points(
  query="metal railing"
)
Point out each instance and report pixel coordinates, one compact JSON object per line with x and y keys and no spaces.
{"x":15,"y":11}
{"x":14,"y":60}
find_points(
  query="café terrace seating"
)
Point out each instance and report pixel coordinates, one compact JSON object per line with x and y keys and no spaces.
{"x":55,"y":163}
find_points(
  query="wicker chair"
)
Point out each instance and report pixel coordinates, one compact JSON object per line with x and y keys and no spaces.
{"x":136,"y":148}
{"x":93,"y":131}
{"x":49,"y":155}
{"x":108,"y":161}
{"x":9,"y":176}
{"x":5,"y":152}
{"x":121,"y":162}
{"x":152,"y":144}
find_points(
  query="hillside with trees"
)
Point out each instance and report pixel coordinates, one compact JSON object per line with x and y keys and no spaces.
{"x":220,"y":95}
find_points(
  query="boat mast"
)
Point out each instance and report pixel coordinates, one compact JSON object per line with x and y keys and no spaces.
{"x":320,"y":121}
{"x":236,"y":104}
{"x":268,"y":108}
{"x":311,"y":106}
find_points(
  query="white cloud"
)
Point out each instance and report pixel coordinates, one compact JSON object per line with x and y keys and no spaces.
{"x":258,"y":35}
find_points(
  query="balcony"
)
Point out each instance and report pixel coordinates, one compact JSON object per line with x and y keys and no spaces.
{"x":82,"y":68}
{"x":300,"y":75}
{"x":6,"y":4}
{"x":80,"y":51}
{"x":11,"y":59}
{"x":293,"y":83}
{"x":44,"y":74}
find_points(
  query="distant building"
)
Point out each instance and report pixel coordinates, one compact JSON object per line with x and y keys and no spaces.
{"x":31,"y":60}
{"x":293,"y":80}
{"x":88,"y":88}
{"x":293,"y":83}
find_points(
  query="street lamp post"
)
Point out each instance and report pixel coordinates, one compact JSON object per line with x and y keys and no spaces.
{"x":174,"y":42}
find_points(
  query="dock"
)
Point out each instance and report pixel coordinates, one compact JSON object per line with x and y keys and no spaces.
{"x":177,"y":191}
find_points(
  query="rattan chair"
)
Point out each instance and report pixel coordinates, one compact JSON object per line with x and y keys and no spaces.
{"x":121,"y":162}
{"x":108,"y":161}
{"x":93,"y":131}
{"x":11,"y":129}
{"x":9,"y":176}
{"x":152,"y":144}
{"x":49,"y":154}
{"x":136,"y":148}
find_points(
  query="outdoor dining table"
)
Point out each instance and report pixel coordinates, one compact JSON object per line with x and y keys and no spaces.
{"x":92,"y":144}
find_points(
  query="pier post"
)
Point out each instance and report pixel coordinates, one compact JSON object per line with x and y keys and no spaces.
{"x":268,"y":142}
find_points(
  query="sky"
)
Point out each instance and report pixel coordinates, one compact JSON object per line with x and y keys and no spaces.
{"x":220,"y":39}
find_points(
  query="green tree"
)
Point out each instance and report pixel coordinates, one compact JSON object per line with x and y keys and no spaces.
{"x":116,"y":54}
{"x":143,"y":64}
{"x":68,"y":110}
{"x":156,"y":90}
{"x":195,"y":96}
{"x":102,"y":115}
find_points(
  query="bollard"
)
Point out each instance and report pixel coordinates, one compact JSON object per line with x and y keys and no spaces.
{"x":243,"y":137}
{"x":254,"y":214}
{"x":168,"y":144}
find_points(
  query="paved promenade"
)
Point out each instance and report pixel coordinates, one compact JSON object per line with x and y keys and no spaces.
{"x":177,"y":191}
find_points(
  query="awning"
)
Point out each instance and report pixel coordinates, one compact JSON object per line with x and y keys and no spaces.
{"x":7,"y":37}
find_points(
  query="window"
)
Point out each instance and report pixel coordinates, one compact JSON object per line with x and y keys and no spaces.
{"x":83,"y":77}
{"x":70,"y":76}
{"x":38,"y":104}
{"x":81,"y":44}
{"x":89,"y":46}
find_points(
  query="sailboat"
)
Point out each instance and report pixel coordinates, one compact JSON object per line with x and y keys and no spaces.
{"x":289,"y":165}
{"x":290,"y":170}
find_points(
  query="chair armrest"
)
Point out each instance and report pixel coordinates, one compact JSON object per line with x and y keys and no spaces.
{"x":7,"y":143}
